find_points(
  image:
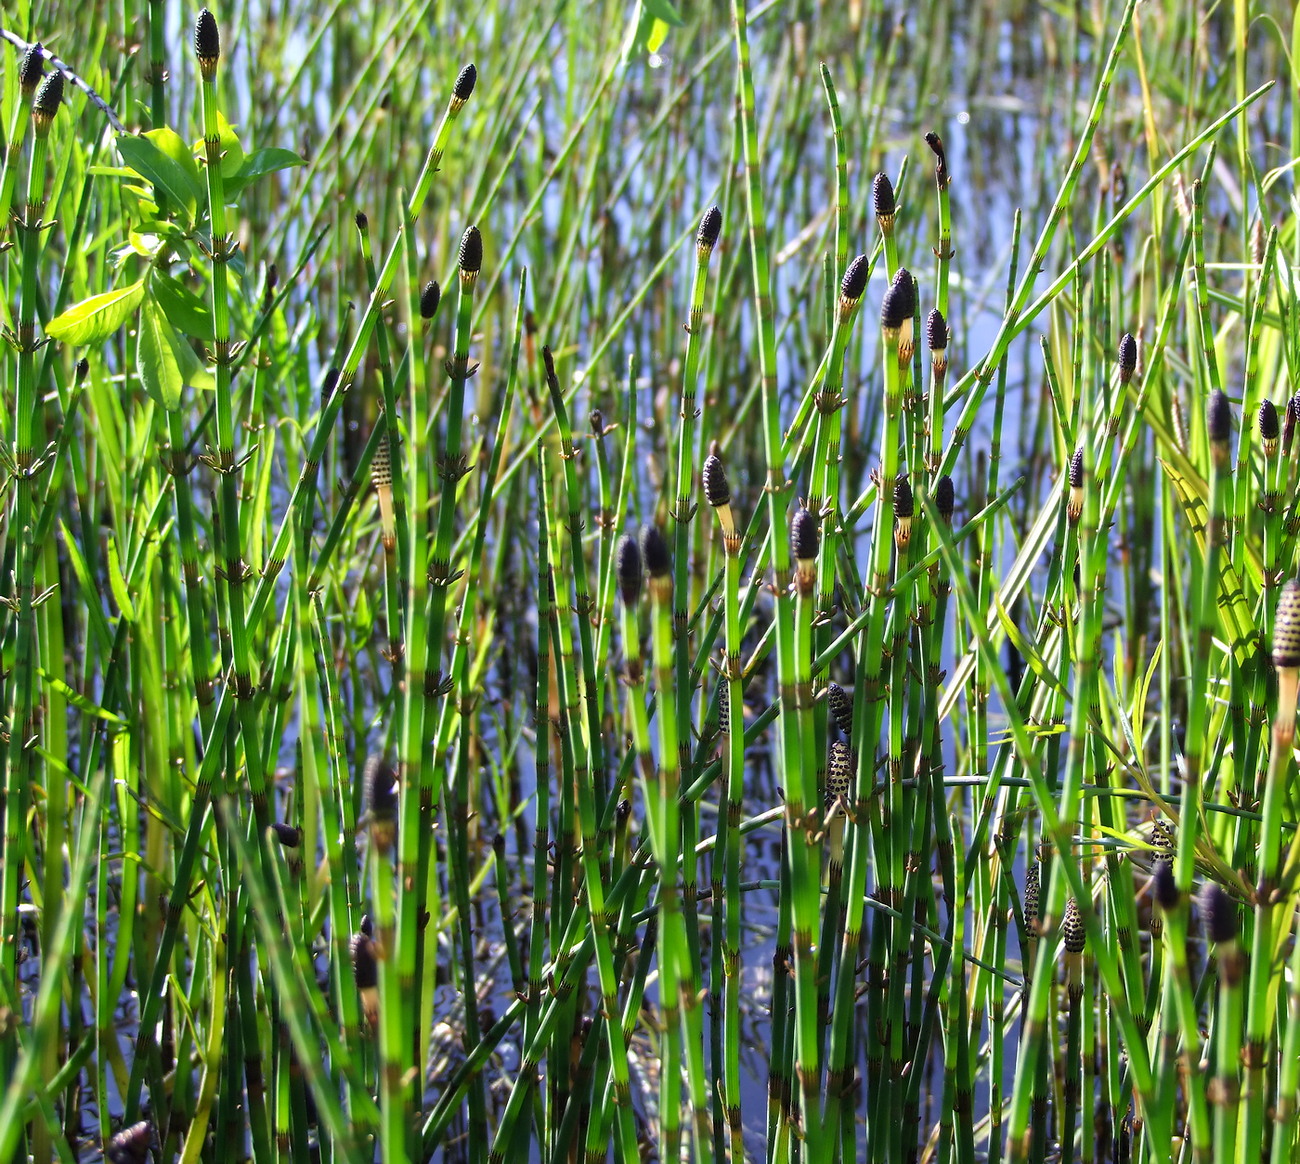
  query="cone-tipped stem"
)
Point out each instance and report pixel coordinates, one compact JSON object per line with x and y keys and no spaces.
{"x":380,"y":783}
{"x":1268,"y":426}
{"x":1218,"y":419}
{"x":717,"y":492}
{"x":471,"y":252}
{"x":936,"y":331}
{"x":805,"y":535}
{"x":631,"y":576}
{"x":1286,"y":627}
{"x":899,"y":302}
{"x":381,"y":475}
{"x":1031,"y":897}
{"x":658,"y":564}
{"x":466,"y":79}
{"x":904,"y":507}
{"x":882,"y":198}
{"x":935,"y":142}
{"x":1075,"y":506}
{"x":1220,"y":914}
{"x":655,"y":551}
{"x":841,"y":707}
{"x":854,"y":282}
{"x":710,"y":227}
{"x":936,"y":338}
{"x":1074,"y":936}
{"x":839,"y":772}
{"x":1286,"y":658}
{"x":945,"y":498}
{"x":365,"y":973}
{"x":1128,"y":357}
{"x":30,"y":70}
{"x":207,"y":44}
{"x":430,"y":296}
{"x":46,"y":103}
{"x":1164,"y":888}
{"x":287,"y":835}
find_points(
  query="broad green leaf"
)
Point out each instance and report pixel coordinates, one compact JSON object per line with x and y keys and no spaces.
{"x":186,"y":311}
{"x":663,"y":10}
{"x":178,"y":185}
{"x":173,"y":146}
{"x":658,"y":34}
{"x":258,"y":164}
{"x":232,"y":153}
{"x":93,"y":320}
{"x":144,"y":244}
{"x":117,"y":583}
{"x":158,"y":358}
{"x":195,"y":371}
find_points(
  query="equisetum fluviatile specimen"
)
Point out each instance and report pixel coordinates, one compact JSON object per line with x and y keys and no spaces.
{"x":810,"y":624}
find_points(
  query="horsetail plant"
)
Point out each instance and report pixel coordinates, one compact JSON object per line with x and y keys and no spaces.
{"x":682,"y":1020}
{"x":904,"y":732}
{"x":717,"y":493}
{"x":24,"y":465}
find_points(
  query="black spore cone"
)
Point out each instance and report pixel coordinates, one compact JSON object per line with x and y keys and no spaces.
{"x":1128,"y":357}
{"x":287,"y":835}
{"x":1286,"y":627}
{"x":627,"y":562}
{"x":207,"y":40}
{"x":381,"y":787}
{"x":30,"y":70}
{"x":381,"y":468}
{"x":365,"y":970}
{"x":471,"y":251}
{"x":903,"y":501}
{"x":1268,"y":429}
{"x":1165,"y":887}
{"x":49,"y":96}
{"x":936,"y":330}
{"x":839,"y":771}
{"x":465,"y":82}
{"x":710,"y":228}
{"x":716,"y":490}
{"x":899,"y":302}
{"x":655,"y":552}
{"x":882,"y":195}
{"x":1073,"y":934}
{"x":804,"y":534}
{"x":840,"y":706}
{"x":944,"y":497}
{"x":430,"y":296}
{"x":855,"y":278}
{"x":1030,"y":902}
{"x":1218,"y":416}
{"x":1219,"y":913}
{"x":1076,"y":469}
